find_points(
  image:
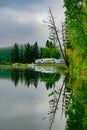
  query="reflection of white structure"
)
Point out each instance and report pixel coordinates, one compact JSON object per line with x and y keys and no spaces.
{"x":44,"y":69}
{"x":49,"y":60}
{"x":31,"y":65}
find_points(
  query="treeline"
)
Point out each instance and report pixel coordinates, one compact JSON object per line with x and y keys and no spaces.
{"x":25,"y":53}
{"x":28,"y":53}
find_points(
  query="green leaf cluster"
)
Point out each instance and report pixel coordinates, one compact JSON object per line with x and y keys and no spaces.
{"x":76,"y":31}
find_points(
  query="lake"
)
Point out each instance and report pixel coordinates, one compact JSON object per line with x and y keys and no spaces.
{"x":41,"y":99}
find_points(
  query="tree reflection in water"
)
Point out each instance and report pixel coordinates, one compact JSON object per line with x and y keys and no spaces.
{"x":74,"y":102}
{"x":55,"y":96}
{"x":76,"y":112}
{"x":30,"y":76}
{"x":27,"y":76}
{"x":73,"y":92}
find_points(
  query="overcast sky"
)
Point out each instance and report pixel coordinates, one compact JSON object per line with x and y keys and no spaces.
{"x":21,"y":21}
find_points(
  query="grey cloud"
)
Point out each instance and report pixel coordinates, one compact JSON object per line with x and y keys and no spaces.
{"x":20,"y":26}
{"x":24,"y":23}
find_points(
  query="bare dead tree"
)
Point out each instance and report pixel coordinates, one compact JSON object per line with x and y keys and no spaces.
{"x":55,"y":34}
{"x":63,"y":37}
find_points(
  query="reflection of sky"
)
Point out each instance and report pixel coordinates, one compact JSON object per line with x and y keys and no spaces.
{"x":23,"y":108}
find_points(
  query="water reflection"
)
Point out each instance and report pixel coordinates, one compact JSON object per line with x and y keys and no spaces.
{"x":56,"y":101}
{"x":23,"y":108}
{"x":76,"y":102}
{"x":45,"y":69}
{"x":56,"y":96}
{"x":30,"y":76}
{"x":73,"y":97}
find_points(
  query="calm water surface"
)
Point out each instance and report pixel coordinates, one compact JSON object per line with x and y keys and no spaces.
{"x":42,"y":99}
{"x":28,"y":100}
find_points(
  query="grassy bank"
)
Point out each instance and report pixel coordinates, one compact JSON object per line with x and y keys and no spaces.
{"x":24,"y":66}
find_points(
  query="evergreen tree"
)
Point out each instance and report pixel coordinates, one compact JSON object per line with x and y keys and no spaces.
{"x":27,"y":52}
{"x":15,"y":53}
{"x":36,"y":51}
{"x":40,"y":53}
{"x":21,"y":54}
{"x":49,"y":44}
{"x":32,"y":54}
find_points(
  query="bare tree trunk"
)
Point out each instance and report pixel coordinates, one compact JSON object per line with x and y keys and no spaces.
{"x":52,"y":26}
{"x":63,"y":38}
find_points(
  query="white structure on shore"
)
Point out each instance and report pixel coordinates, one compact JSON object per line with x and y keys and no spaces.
{"x":49,"y":60}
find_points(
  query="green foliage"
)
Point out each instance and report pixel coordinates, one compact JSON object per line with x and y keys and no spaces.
{"x":31,"y":53}
{"x":5,"y":55}
{"x":28,"y":53}
{"x":50,"y":51}
{"x":49,"y":44}
{"x":15,"y":53}
{"x":50,"y":79}
{"x":25,"y":53}
{"x":29,"y":76}
{"x":35,"y":52}
{"x":76,"y":110}
{"x":76,"y":35}
{"x":21,"y":54}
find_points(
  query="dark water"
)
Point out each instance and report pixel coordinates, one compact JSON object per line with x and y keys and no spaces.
{"x":42,"y":100}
